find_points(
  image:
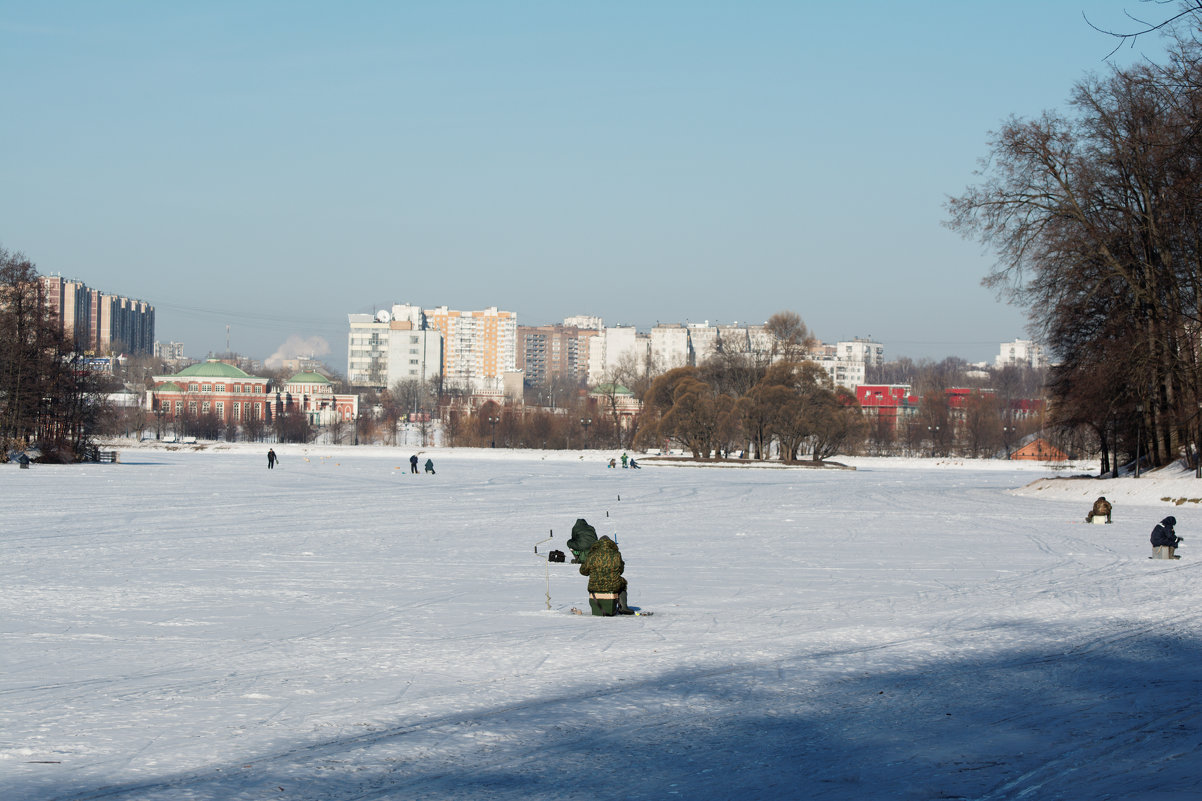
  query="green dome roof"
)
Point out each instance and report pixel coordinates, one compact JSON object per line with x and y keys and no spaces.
{"x":169,"y":386}
{"x":308,"y":378}
{"x":212,"y":369}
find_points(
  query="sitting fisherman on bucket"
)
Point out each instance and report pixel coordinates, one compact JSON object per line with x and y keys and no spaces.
{"x":606,"y":587}
{"x":1163,"y":536}
{"x":583,"y":538}
{"x":1101,"y":508}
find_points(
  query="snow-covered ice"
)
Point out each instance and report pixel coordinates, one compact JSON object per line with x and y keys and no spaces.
{"x":190,"y":625}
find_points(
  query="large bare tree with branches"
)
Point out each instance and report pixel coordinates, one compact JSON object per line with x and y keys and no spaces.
{"x":1096,"y":217}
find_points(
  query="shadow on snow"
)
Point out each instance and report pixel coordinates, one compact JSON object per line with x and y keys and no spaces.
{"x":1112,"y":719}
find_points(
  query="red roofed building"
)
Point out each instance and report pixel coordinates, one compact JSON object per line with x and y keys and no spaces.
{"x":887,"y":402}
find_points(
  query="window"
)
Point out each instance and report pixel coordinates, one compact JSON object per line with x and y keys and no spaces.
{"x":206,"y":388}
{"x":204,"y":408}
{"x":237,"y":409}
{"x":179,"y":407}
{"x":220,"y":387}
{"x":192,"y":407}
{"x":194,"y":387}
{"x":220,"y":410}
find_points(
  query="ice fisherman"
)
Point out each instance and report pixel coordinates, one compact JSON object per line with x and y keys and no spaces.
{"x":634,"y":465}
{"x":624,"y":458}
{"x":1164,"y":535}
{"x":1101,"y":508}
{"x":606,"y":587}
{"x":271,"y":458}
{"x":430,"y":466}
{"x":583,"y":538}
{"x":413,"y":463}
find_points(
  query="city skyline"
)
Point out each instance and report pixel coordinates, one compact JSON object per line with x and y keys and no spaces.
{"x":259,"y":172}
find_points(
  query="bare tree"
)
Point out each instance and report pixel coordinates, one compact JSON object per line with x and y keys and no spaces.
{"x":791,"y":339}
{"x":1097,"y":223}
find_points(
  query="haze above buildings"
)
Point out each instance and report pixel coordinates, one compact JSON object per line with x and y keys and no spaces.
{"x":261,"y":171}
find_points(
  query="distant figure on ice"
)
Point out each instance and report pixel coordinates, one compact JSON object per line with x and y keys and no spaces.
{"x":583,"y":538}
{"x":613,"y":462}
{"x":606,"y":587}
{"x":430,"y":466}
{"x":634,"y":465}
{"x":413,"y":463}
{"x":624,"y":458}
{"x":271,"y":459}
{"x":1101,"y":508}
{"x":1164,"y":537}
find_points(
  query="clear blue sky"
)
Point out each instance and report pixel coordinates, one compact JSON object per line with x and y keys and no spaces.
{"x":274,"y":166}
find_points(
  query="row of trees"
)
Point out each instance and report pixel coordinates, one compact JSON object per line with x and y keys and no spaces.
{"x":48,"y":399}
{"x":1096,"y":218}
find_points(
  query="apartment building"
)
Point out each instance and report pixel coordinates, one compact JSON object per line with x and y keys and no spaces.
{"x":614,"y":350}
{"x":548,"y":353}
{"x":670,"y":347}
{"x":479,"y":347}
{"x":1023,"y":353}
{"x":96,"y":322}
{"x":392,"y":345}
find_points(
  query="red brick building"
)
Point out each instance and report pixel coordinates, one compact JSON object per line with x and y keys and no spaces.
{"x":234,"y":396}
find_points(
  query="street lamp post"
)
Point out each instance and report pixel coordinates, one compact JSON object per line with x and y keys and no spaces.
{"x":492,"y":422}
{"x":934,"y":433}
{"x":1007,"y":431}
{"x":585,"y":422}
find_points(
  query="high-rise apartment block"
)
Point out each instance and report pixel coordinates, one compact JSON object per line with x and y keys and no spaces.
{"x":96,"y":322}
{"x":550,"y":353}
{"x":479,"y":347}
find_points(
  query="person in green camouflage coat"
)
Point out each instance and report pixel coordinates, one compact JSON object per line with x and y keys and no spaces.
{"x":606,"y":587}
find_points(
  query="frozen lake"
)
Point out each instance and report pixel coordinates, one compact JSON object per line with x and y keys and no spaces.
{"x":190,"y":625}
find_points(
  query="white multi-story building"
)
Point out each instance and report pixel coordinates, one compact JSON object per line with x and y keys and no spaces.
{"x":843,"y":372}
{"x":616,"y":347}
{"x":871,"y":353}
{"x":1021,"y":352}
{"x":169,"y":351}
{"x":703,"y":340}
{"x":585,"y":321}
{"x":670,"y":347}
{"x":392,"y":346}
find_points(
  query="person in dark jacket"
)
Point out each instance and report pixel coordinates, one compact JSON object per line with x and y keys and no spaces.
{"x":583,"y":538}
{"x":606,"y":587}
{"x":1101,"y":508}
{"x":430,"y":466}
{"x":413,"y":463}
{"x":1164,"y":535}
{"x":271,"y":458}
